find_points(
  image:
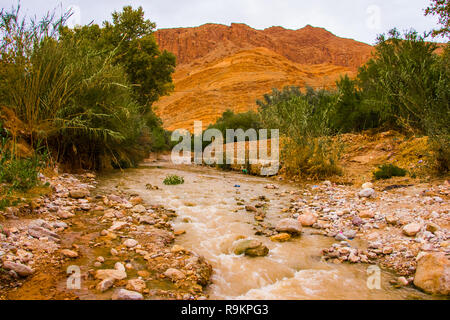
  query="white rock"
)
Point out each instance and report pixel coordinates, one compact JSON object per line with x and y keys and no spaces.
{"x":130,"y":243}
{"x":123,"y":294}
{"x":367,"y":193}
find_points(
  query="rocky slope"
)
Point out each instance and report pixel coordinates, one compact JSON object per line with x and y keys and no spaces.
{"x":221,"y":67}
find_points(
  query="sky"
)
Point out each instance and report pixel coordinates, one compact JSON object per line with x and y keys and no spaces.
{"x":361,"y":20}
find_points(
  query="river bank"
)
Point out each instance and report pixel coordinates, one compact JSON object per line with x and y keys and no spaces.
{"x":133,"y":238}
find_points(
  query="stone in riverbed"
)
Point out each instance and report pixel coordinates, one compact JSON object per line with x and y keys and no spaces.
{"x":174,"y":274}
{"x":367,"y":193}
{"x":130,"y":243}
{"x":252,"y":248}
{"x":292,"y":226}
{"x":137,"y":285}
{"x":307,"y":219}
{"x":69,"y":253}
{"x":139,"y":209}
{"x":433,"y":274}
{"x":79,"y":193}
{"x":105,"y":285}
{"x":21,"y":269}
{"x":411,"y":229}
{"x":123,"y":294}
{"x":118,"y":273}
{"x":367,"y":185}
{"x":281,"y":237}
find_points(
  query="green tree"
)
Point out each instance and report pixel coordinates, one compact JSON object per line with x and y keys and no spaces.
{"x":440,"y":8}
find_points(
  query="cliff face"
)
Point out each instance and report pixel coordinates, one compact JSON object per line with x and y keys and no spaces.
{"x":308,"y":45}
{"x":221,"y":67}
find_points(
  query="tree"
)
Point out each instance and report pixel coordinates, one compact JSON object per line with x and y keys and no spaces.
{"x":440,"y":8}
{"x":130,"y":37}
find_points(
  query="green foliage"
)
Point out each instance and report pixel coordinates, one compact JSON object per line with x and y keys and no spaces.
{"x":440,"y":8}
{"x":303,"y":120}
{"x":82,"y":90}
{"x":231,"y":120}
{"x":173,"y":180}
{"x":387,"y":171}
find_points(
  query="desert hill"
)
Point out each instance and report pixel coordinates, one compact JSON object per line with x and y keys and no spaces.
{"x":221,"y":67}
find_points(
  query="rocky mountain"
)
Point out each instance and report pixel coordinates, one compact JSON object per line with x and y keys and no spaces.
{"x":229,"y":67}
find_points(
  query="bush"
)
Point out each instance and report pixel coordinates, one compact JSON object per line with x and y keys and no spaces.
{"x":81,"y":91}
{"x":173,"y":180}
{"x":309,"y":148}
{"x":387,"y":171}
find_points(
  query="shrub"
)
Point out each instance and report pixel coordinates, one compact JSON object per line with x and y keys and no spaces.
{"x":173,"y":180}
{"x":387,"y":171}
{"x":82,"y":90}
{"x":309,"y":148}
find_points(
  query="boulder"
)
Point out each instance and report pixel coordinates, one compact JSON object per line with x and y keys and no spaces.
{"x":21,"y":269}
{"x":292,"y":226}
{"x":367,"y":193}
{"x":123,"y":294}
{"x":307,"y":219}
{"x":137,"y":285}
{"x":252,"y":248}
{"x":281,"y":237}
{"x":411,"y":229}
{"x":69,"y":253}
{"x":79,"y":193}
{"x":105,"y":285}
{"x":118,"y":273}
{"x":174,"y":274}
{"x":433,"y":274}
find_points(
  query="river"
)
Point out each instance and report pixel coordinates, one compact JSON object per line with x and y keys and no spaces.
{"x":210,"y":209}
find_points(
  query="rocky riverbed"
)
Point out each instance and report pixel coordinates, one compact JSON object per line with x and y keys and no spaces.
{"x":117,"y":246}
{"x":84,"y":242}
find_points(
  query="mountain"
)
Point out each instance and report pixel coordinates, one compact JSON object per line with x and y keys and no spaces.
{"x":228,"y":67}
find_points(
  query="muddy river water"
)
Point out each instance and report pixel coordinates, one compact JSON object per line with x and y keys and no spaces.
{"x":209,"y":211}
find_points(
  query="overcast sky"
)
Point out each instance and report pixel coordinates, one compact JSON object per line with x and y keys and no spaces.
{"x":358,"y":19}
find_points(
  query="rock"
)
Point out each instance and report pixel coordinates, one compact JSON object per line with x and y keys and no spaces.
{"x":307,"y":219}
{"x":366,"y":214}
{"x":174,"y":274}
{"x":21,"y":269}
{"x":251,"y":209}
{"x":118,"y":225}
{"x":69,"y":253}
{"x":357,"y":221}
{"x":402,"y":281}
{"x":350,"y":234}
{"x":367,"y":185}
{"x":271,"y":186}
{"x":139,"y":209}
{"x":123,"y":294}
{"x":105,"y":285}
{"x":252,"y":248}
{"x":367,"y":193}
{"x":281,"y":237}
{"x":118,"y":273}
{"x":64,"y":214}
{"x":136,"y":200}
{"x":411,"y":229}
{"x":137,"y":285}
{"x":433,"y":274}
{"x":292,"y":226}
{"x":39,"y":232}
{"x":391,"y":219}
{"x":432,"y":227}
{"x":176,"y":248}
{"x":130,"y":243}
{"x":79,"y":193}
{"x":147,"y":220}
{"x":340,"y":237}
